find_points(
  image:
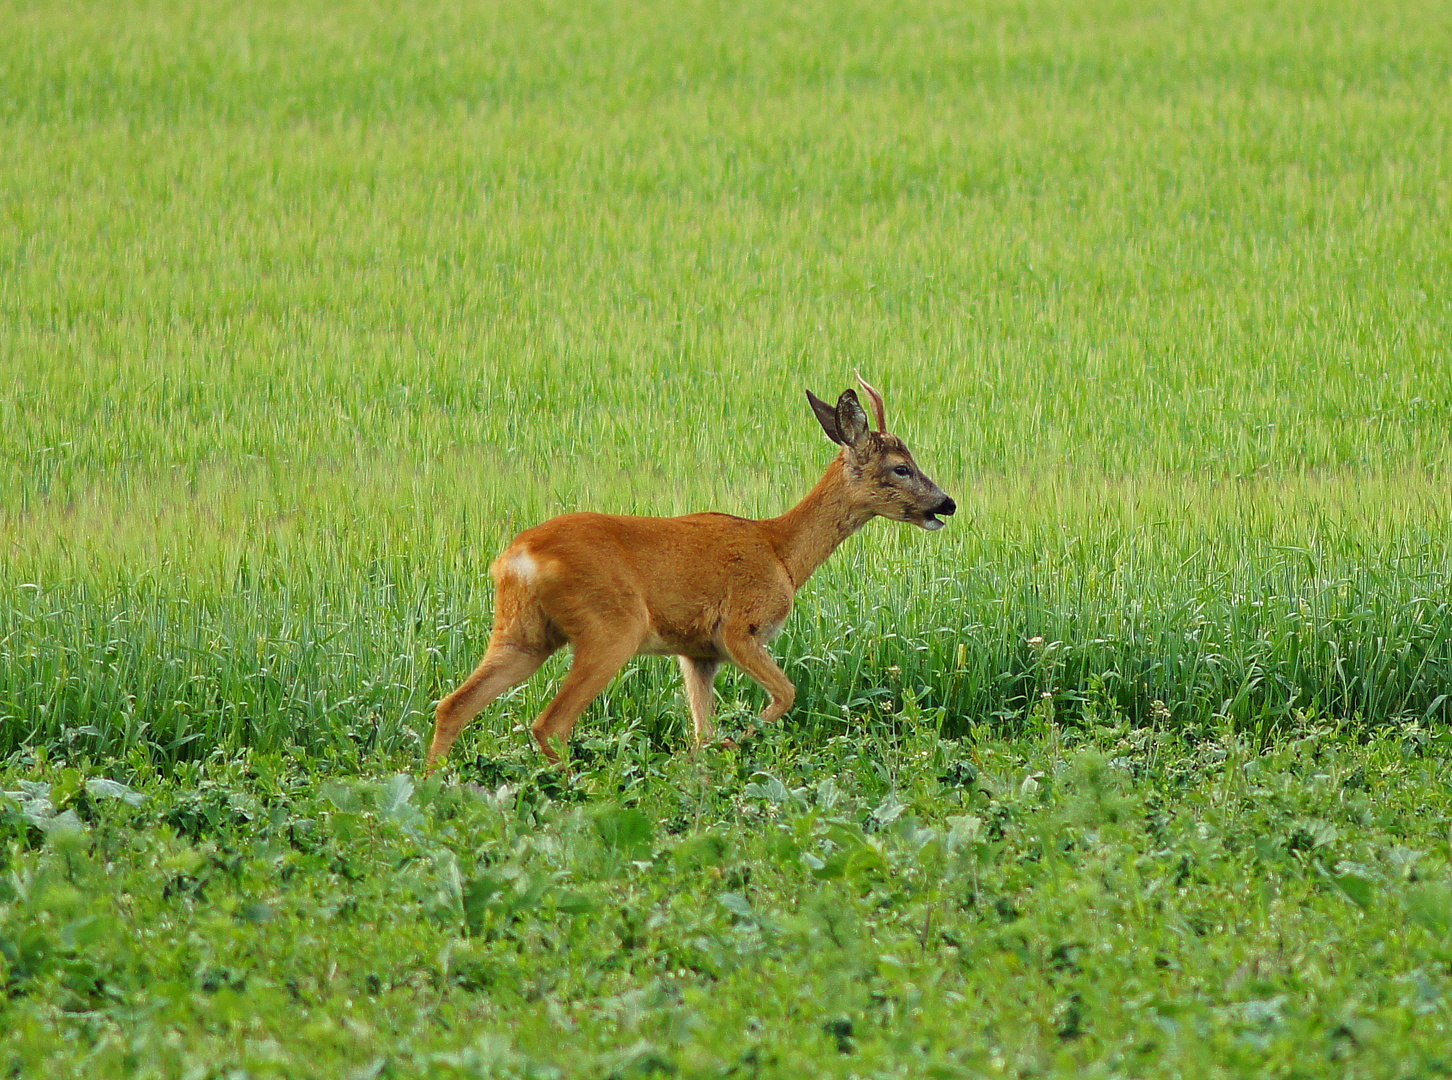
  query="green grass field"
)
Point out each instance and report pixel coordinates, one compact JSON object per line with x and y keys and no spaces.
{"x":1135,"y":769}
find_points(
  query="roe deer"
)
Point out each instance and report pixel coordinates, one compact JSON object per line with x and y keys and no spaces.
{"x":706,"y":588}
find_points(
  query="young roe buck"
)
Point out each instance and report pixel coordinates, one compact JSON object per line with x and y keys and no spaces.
{"x":706,"y":588}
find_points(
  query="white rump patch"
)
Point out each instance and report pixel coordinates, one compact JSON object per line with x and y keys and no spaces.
{"x":522,"y":565}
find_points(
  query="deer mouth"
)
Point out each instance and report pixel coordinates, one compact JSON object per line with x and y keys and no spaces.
{"x":930,"y":519}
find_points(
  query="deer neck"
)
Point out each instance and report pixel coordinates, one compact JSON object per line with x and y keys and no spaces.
{"x":807,"y":534}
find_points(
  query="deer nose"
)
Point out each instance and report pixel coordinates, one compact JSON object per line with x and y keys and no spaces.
{"x":947,"y":506}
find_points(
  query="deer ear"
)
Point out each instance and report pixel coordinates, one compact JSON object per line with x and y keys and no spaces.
{"x":826,"y":416}
{"x":851,"y":420}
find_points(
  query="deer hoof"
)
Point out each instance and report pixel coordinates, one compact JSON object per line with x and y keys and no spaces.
{"x":726,"y":742}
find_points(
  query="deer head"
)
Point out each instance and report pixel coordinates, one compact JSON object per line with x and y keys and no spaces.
{"x":882,"y":476}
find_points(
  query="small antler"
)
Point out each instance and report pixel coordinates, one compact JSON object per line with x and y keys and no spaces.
{"x":877,"y":406}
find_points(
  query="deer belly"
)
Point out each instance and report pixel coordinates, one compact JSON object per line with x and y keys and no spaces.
{"x":683,"y":630}
{"x":665,"y":642}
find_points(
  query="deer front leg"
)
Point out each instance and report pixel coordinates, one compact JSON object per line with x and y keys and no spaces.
{"x":700,"y":678}
{"x":750,"y":655}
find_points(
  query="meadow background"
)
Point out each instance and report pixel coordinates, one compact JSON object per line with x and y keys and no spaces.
{"x":305,"y":308}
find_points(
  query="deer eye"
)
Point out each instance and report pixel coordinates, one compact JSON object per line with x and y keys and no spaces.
{"x":902,"y":470}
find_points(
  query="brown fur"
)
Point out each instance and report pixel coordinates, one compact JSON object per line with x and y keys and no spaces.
{"x":707,"y":588}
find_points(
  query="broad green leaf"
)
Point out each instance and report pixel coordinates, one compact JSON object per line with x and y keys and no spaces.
{"x":574,"y":903}
{"x":256,"y":912}
{"x":738,"y":905}
{"x":101,"y":788}
{"x":395,"y":796}
{"x":708,"y":849}
{"x":1357,"y":882}
{"x":478,"y":894}
{"x":624,"y":829}
{"x":395,"y":803}
{"x":1430,"y":906}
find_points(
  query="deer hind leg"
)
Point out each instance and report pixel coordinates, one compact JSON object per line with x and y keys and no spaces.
{"x":597,"y":659}
{"x":700,"y":677}
{"x":750,"y":655}
{"x":505,"y":664}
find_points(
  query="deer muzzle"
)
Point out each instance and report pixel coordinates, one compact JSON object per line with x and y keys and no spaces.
{"x":933,"y":519}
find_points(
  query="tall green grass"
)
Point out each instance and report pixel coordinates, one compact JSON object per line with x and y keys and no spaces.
{"x":304,"y":309}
